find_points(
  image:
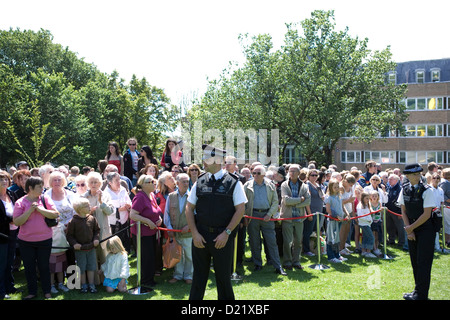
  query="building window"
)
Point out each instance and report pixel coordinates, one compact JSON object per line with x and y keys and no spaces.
{"x":424,"y":130}
{"x":432,"y":103}
{"x":435,"y":75}
{"x":422,"y":157}
{"x":420,"y":76}
{"x":351,"y":156}
{"x":380,"y":156}
{"x":392,"y":78}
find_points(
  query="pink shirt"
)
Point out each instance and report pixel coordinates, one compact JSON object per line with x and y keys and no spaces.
{"x":147,"y":208}
{"x":34,"y":229}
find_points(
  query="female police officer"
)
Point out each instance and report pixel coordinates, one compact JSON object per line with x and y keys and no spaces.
{"x":417,"y":202}
{"x":218,"y":199}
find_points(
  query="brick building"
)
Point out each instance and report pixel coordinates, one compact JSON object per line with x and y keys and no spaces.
{"x":427,"y":128}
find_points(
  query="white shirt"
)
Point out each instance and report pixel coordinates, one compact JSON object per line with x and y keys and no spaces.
{"x":427,"y":196}
{"x":118,"y":200}
{"x":238,"y":193}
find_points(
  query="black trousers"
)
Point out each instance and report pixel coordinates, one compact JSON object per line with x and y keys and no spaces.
{"x":421,"y":252}
{"x":36,"y":255}
{"x":222,"y":260}
{"x":148,"y":253}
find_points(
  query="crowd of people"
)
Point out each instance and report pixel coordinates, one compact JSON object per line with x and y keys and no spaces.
{"x":96,"y":210}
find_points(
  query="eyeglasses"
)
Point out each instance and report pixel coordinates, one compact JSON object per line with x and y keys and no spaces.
{"x":81,"y":185}
{"x":193,"y":170}
{"x":256,"y":173}
{"x":132,"y":144}
{"x":313,"y":175}
{"x":437,"y":178}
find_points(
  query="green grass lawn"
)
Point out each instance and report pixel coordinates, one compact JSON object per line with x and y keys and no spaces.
{"x":356,"y":279}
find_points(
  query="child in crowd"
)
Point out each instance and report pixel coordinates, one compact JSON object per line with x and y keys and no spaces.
{"x":83,"y":234}
{"x":347,"y":194}
{"x":365,"y":221}
{"x":116,"y":268}
{"x":375,"y":205}
{"x":358,"y":191}
{"x":335,"y":209}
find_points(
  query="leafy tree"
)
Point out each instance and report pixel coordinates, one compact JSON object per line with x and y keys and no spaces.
{"x":321,"y":85}
{"x":38,"y":132}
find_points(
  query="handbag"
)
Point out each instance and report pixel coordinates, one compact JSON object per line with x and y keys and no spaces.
{"x":171,"y":253}
{"x":50,"y":222}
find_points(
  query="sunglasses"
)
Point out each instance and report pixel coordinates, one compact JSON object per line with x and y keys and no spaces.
{"x":81,"y":185}
{"x":256,"y":173}
{"x":313,"y":175}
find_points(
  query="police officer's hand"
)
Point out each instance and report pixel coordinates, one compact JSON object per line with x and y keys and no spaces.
{"x":221,"y":240}
{"x":198,"y":240}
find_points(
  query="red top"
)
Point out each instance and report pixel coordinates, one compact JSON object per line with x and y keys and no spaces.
{"x":147,"y":208}
{"x":116,"y":163}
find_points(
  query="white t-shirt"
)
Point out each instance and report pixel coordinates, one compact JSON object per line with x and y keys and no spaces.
{"x":9,"y":209}
{"x":118,"y":200}
{"x":427,"y":196}
{"x":238,"y":193}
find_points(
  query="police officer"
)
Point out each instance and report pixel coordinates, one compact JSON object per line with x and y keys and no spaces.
{"x":218,"y":199}
{"x":417,"y":201}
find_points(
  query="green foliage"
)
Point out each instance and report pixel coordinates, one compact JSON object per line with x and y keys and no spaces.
{"x":88,"y":107}
{"x":38,"y":132}
{"x":321,"y":85}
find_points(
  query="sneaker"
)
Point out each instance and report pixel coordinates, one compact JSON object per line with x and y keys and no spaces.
{"x":62,"y":287}
{"x":377,"y":252}
{"x":335,"y":260}
{"x":92,"y":288}
{"x":53,"y":289}
{"x":348,"y":250}
{"x":84,"y":288}
{"x":370,"y":255}
{"x":343,"y":252}
{"x":309,"y":254}
{"x":342,"y":258}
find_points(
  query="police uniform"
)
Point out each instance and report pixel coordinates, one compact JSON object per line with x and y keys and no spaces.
{"x":215,"y":197}
{"x":421,"y":250}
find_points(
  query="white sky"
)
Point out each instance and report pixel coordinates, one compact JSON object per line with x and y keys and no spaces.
{"x":177,"y":44}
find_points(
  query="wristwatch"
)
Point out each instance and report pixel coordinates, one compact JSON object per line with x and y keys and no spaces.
{"x":228,"y":231}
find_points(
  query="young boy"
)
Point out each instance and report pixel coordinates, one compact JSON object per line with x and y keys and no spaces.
{"x":83,"y":234}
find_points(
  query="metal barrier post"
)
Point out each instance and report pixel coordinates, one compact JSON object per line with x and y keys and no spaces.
{"x":443,"y":227}
{"x":235,"y":276}
{"x":385,"y":256}
{"x":139,"y":290}
{"x":318,"y":266}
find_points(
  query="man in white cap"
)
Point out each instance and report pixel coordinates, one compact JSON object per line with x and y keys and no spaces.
{"x":218,"y":199}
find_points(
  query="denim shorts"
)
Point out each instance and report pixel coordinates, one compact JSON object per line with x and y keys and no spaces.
{"x":86,"y":260}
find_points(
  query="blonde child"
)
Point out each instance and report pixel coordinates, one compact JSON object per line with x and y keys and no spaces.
{"x":116,"y":268}
{"x":358,"y":191}
{"x":83,"y":234}
{"x":365,"y":222}
{"x":348,"y":197}
{"x":335,"y":209}
{"x":375,"y":205}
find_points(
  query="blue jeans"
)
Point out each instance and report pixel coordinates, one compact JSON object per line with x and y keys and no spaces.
{"x":368,"y":239}
{"x":333,"y":251}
